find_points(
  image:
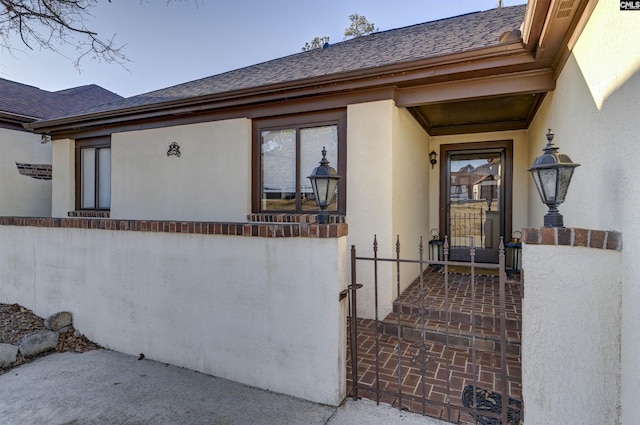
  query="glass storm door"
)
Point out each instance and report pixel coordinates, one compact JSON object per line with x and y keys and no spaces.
{"x":475,"y":204}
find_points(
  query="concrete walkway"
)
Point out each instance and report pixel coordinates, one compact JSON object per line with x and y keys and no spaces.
{"x":105,"y":387}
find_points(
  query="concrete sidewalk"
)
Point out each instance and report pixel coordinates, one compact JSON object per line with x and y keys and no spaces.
{"x":105,"y":387}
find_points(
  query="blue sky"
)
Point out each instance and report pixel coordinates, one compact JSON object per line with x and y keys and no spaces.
{"x":170,"y":43}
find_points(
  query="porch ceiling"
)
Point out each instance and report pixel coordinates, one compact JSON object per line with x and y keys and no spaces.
{"x":510,"y":112}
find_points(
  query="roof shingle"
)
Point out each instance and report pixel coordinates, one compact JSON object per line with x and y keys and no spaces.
{"x":29,"y":101}
{"x":431,"y":39}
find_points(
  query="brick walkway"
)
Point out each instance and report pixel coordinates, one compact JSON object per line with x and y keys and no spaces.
{"x":425,"y":366}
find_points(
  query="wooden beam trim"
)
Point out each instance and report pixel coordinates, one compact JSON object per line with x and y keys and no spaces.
{"x":534,"y":21}
{"x":520,"y":83}
{"x":479,"y":128}
{"x":289,"y":107}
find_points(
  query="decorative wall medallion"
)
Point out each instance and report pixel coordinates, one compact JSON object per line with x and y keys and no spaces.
{"x":174,"y":149}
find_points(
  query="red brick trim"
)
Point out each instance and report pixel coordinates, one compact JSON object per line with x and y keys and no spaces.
{"x":263,"y":230}
{"x":292,"y":218}
{"x":600,"y":239}
{"x":89,"y":213}
{"x":36,"y":171}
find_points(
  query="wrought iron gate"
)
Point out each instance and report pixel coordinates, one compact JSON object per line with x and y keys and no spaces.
{"x":451,"y":346}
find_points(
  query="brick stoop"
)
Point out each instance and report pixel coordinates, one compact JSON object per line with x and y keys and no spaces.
{"x":485,"y":320}
{"x":434,"y":368}
{"x":460,"y":334}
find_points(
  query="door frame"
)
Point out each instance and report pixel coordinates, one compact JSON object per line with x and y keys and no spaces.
{"x":507,"y":178}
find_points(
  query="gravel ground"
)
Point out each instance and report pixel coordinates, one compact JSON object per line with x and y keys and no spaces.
{"x":17,"y":321}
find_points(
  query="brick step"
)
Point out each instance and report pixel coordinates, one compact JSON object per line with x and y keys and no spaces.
{"x":460,"y":335}
{"x":489,"y":318}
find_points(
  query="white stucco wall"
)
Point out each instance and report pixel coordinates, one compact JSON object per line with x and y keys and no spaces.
{"x":571,"y":335}
{"x":594,"y":115}
{"x":260,"y":311}
{"x":387,"y":194}
{"x":211,"y":180}
{"x":22,"y":195}
{"x":520,"y":175}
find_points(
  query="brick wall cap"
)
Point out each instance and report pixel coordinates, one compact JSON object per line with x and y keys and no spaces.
{"x":255,"y":229}
{"x":573,"y":237}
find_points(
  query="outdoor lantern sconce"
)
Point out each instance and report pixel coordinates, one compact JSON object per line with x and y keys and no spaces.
{"x":514,"y":252}
{"x":324,"y":181}
{"x":432,"y":158}
{"x":552,"y":172}
{"x":435,"y":246}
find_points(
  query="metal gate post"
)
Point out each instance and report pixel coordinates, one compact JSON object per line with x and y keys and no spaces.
{"x":503,"y":332}
{"x":354,"y":326}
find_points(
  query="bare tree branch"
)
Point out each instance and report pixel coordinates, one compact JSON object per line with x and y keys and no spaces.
{"x":53,"y":24}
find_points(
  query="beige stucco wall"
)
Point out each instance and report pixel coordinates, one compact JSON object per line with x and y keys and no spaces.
{"x":387,"y":194}
{"x":410,"y":191}
{"x":63,"y":183}
{"x":571,"y":335}
{"x":22,"y":195}
{"x":211,"y":180}
{"x":520,"y":175}
{"x":594,"y":115}
{"x":260,"y":311}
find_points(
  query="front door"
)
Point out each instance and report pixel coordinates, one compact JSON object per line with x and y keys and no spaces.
{"x":476,"y":198}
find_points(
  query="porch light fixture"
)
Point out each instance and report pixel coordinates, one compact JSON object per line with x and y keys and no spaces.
{"x":432,"y":158}
{"x":435,"y":246}
{"x":514,"y":252}
{"x":324,"y":180}
{"x":552,"y":172}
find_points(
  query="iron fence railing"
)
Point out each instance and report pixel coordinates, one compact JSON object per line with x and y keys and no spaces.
{"x":467,"y":229}
{"x":412,"y":359}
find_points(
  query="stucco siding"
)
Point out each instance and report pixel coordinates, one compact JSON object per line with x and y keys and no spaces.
{"x":211,"y":180}
{"x":410,"y":162}
{"x":260,"y":311}
{"x":571,"y":338}
{"x":63,"y":185}
{"x":21,"y":195}
{"x":387,"y":194}
{"x":594,"y":114}
{"x":370,"y":193}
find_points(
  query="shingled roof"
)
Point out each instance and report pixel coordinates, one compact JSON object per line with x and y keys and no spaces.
{"x":34,"y":103}
{"x":463,"y":33}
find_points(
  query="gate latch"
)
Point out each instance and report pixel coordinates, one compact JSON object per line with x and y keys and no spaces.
{"x":343,"y":293}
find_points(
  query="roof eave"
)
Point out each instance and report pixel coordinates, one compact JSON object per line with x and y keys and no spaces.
{"x":509,"y":54}
{"x":16,"y":118}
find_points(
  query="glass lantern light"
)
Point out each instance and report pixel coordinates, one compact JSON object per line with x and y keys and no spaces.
{"x":324,"y":180}
{"x":552,"y":172}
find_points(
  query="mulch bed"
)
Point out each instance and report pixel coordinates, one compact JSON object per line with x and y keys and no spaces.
{"x":17,"y":321}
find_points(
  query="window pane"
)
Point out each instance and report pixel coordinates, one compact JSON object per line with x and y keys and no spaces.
{"x":88,"y":176}
{"x":547,"y":180}
{"x":564,"y":178}
{"x":104,"y":178}
{"x":279,"y":170}
{"x":312,"y":140}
